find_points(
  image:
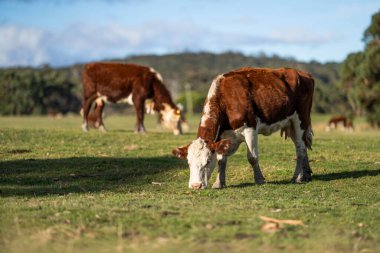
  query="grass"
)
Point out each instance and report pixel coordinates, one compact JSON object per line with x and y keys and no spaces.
{"x":63,"y":190}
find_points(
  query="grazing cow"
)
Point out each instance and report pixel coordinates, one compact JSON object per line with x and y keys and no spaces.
{"x":134,"y":84}
{"x":345,"y":122}
{"x":242,"y":104}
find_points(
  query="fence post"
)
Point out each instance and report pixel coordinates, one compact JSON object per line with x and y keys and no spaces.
{"x":189,"y":100}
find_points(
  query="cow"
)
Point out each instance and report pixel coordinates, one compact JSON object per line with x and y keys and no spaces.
{"x":242,"y":104}
{"x":342,"y":120}
{"x":117,"y":82}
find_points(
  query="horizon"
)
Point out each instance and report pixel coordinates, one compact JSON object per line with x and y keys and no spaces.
{"x":258,"y":55}
{"x":62,"y":33}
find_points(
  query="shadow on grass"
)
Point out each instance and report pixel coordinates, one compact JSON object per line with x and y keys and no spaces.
{"x":347,"y":174}
{"x":34,"y":177}
{"x":323,"y":177}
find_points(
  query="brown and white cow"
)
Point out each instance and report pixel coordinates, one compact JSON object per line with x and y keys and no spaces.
{"x":242,"y":104}
{"x":342,"y":120}
{"x":134,"y":84}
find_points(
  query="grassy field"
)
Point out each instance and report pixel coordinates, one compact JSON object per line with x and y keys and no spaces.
{"x":62,"y":190}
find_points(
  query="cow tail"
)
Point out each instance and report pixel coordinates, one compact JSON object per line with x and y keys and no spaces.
{"x":308,"y":137}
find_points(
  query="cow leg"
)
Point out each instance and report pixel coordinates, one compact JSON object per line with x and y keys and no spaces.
{"x":220,"y":181}
{"x":302,"y":172}
{"x":86,"y":109}
{"x":99,"y":115}
{"x":306,"y":169}
{"x":251,"y":137}
{"x":139,"y":108}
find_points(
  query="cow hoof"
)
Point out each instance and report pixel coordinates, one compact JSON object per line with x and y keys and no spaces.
{"x":300,"y":180}
{"x":260,"y":181}
{"x":218,"y":186}
{"x":84,"y":127}
{"x":295,"y":181}
{"x":102,"y":129}
{"x":306,"y":178}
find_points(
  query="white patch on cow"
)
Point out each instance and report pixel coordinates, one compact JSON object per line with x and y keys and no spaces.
{"x":101,"y":97}
{"x":211,"y":93}
{"x":127,"y":100}
{"x":236,"y":137}
{"x":269,"y":129}
{"x":158,"y":75}
{"x":201,"y":162}
{"x":214,"y":86}
{"x":99,"y":101}
{"x":206,"y":114}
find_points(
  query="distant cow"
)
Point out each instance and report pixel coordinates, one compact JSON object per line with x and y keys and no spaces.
{"x":242,"y":104}
{"x":134,"y":84}
{"x":335,"y":121}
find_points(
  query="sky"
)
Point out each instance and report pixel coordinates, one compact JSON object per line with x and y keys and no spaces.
{"x":64,"y":32}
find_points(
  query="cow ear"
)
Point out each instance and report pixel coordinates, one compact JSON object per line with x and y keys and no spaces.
{"x":180,"y":152}
{"x":223,"y":146}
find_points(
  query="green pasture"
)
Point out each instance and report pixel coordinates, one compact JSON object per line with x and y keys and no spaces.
{"x":62,"y":190}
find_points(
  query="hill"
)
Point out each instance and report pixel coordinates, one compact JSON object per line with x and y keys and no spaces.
{"x":44,"y":90}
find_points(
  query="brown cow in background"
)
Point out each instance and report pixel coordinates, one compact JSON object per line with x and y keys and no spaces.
{"x":341,"y":120}
{"x":134,"y":84}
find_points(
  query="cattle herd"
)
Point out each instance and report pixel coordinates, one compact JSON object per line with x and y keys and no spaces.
{"x":240,"y":105}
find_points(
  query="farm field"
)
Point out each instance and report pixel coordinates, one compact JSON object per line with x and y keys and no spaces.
{"x":62,"y":190}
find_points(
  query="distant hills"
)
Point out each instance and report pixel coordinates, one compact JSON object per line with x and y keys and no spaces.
{"x":50,"y":90}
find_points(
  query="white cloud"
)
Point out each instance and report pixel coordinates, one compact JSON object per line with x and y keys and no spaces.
{"x":22,"y":46}
{"x":82,"y":42}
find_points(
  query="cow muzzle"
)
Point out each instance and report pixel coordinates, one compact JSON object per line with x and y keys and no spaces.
{"x":197,"y":186}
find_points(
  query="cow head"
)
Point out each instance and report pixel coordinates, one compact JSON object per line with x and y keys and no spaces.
{"x":171,"y":118}
{"x":201,"y":157}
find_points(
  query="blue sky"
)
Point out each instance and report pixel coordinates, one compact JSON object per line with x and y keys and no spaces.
{"x":59,"y":32}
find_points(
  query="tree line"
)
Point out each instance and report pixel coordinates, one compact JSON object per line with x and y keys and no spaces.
{"x":360,"y":75}
{"x":46,"y":90}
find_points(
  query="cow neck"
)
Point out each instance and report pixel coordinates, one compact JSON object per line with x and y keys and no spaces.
{"x":210,"y":132}
{"x":210,"y":126}
{"x":161,"y":96}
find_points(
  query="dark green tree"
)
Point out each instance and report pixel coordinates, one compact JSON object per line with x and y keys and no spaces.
{"x":360,"y":75}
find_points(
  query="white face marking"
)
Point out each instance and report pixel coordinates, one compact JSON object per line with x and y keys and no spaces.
{"x":170,"y":119}
{"x":210,"y":95}
{"x":158,"y":75}
{"x":201,"y":162}
{"x":149,"y":105}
